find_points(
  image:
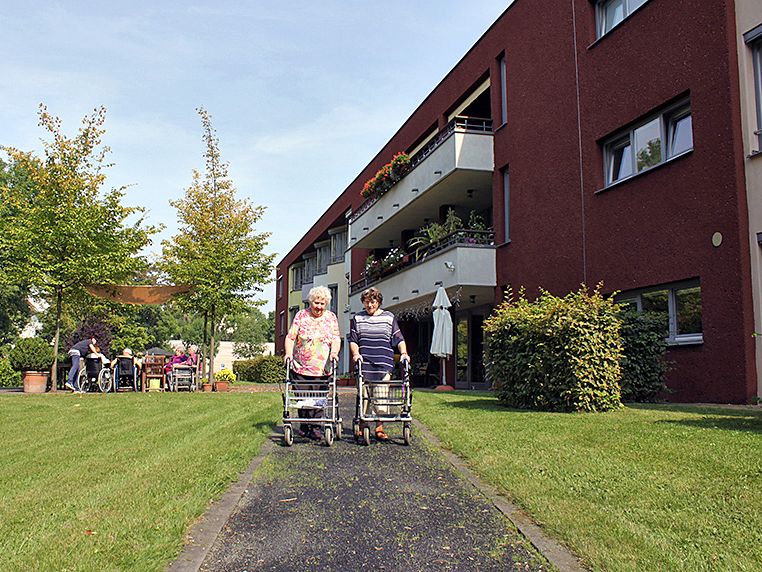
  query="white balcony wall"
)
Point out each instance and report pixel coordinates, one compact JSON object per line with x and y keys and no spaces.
{"x":463,"y":160}
{"x":470,"y":269}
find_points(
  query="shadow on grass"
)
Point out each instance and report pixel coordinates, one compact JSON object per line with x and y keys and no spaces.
{"x":723,"y":418}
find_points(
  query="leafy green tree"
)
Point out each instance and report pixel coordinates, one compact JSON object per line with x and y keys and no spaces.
{"x":250,"y":329}
{"x":216,"y":249}
{"x":62,"y":231}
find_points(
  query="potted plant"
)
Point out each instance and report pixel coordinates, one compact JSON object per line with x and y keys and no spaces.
{"x":223,"y":379}
{"x":33,"y":357}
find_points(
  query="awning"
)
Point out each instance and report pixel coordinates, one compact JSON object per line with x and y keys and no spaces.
{"x":139,"y":295}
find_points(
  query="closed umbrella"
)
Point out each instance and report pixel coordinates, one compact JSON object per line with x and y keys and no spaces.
{"x":441,"y":340}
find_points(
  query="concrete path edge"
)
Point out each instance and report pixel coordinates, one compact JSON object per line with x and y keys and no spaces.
{"x":556,"y":553}
{"x":202,"y":535}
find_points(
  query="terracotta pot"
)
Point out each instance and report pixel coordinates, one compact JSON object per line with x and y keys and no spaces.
{"x":207,"y":387}
{"x":35,"y":381}
{"x":221,"y":386}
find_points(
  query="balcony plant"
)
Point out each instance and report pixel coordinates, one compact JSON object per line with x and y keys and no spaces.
{"x":33,"y":357}
{"x":386,"y":177}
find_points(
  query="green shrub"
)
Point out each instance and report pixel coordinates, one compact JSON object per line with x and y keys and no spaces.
{"x":8,"y":376}
{"x":269,"y":369}
{"x":31,"y":354}
{"x":245,"y":369}
{"x":643,"y":363}
{"x":225,"y":375}
{"x":555,"y":354}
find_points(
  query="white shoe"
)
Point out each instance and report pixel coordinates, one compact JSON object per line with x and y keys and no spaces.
{"x":70,"y":386}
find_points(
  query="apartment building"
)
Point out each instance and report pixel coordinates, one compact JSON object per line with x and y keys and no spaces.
{"x":612,"y":141}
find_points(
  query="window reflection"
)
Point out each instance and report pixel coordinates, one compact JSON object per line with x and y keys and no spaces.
{"x":621,"y":162}
{"x":688,"y":311}
{"x":682,"y":135}
{"x":648,"y":145}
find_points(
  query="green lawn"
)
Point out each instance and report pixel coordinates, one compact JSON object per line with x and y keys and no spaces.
{"x":112,"y":482}
{"x":649,"y":487}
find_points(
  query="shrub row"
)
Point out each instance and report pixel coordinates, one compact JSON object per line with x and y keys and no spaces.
{"x":262,"y":369}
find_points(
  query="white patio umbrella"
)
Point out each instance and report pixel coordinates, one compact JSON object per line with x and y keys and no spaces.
{"x":441,"y":340}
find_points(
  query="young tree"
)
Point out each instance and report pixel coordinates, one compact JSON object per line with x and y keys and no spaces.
{"x":217,"y":249}
{"x":62,"y":231}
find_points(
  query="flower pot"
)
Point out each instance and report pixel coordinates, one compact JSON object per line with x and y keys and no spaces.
{"x":35,"y":381}
{"x":221,"y":386}
{"x":207,"y":387}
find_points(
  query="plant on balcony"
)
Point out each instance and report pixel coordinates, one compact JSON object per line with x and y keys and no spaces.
{"x":387,"y":176}
{"x":372,"y":267}
{"x":434,"y":232}
{"x":394,"y":258}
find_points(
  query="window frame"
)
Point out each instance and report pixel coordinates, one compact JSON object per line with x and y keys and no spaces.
{"x":668,"y":119}
{"x":339,"y":243}
{"x":503,"y":70}
{"x":600,"y":14}
{"x":635,"y":297}
{"x":753,"y":39}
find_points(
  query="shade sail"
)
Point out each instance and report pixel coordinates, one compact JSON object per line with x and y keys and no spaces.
{"x":441,"y":340}
{"x":136,"y":294}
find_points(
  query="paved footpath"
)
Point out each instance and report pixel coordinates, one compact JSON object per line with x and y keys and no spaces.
{"x":352,"y":507}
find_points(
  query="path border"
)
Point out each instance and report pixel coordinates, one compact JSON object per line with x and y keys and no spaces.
{"x":557,"y":554}
{"x":202,"y":535}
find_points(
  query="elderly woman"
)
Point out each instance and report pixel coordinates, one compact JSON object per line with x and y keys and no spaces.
{"x":313,"y":341}
{"x":374,"y":335}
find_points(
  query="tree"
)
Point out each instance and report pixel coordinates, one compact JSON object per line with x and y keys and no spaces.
{"x":217,"y":249}
{"x":250,"y":330}
{"x":62,"y":231}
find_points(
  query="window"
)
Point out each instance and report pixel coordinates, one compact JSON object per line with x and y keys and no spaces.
{"x":648,"y":144}
{"x":309,"y":267}
{"x":282,"y":323}
{"x":678,"y":304}
{"x":753,"y":39}
{"x":610,"y":13}
{"x":280,"y":287}
{"x":338,"y":245}
{"x":323,"y":254}
{"x":507,"y":204}
{"x":292,"y":311}
{"x":334,"y":288}
{"x":297,"y":277}
{"x":503,"y":90}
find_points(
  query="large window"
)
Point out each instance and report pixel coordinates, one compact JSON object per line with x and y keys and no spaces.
{"x":679,"y":306}
{"x":610,"y":13}
{"x":503,"y":90}
{"x":753,"y":39}
{"x":334,"y":289}
{"x":506,"y":205}
{"x":297,"y":276}
{"x":650,"y":143}
{"x":309,"y":267}
{"x":323,"y":256}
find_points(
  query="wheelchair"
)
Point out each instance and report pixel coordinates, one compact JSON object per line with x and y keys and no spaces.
{"x":182,"y":377}
{"x":95,"y":375}
{"x":125,"y":374}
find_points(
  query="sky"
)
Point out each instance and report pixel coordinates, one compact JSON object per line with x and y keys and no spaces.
{"x":302,"y":94}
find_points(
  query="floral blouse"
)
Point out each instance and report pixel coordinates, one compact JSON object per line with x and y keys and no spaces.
{"x":312,"y":341}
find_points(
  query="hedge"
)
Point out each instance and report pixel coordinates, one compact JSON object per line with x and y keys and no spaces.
{"x":643,"y":363}
{"x":8,"y":376}
{"x":262,"y":369}
{"x":556,"y":354}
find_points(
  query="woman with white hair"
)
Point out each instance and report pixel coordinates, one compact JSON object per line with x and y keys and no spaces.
{"x":313,"y":341}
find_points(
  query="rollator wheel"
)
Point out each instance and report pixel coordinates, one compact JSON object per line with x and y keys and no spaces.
{"x":339,"y":429}
{"x":406,"y":434}
{"x":288,"y":435}
{"x":328,"y":435}
{"x":356,"y":431}
{"x":366,"y":435}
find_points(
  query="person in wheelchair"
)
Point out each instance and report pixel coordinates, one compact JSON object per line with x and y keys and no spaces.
{"x":181,"y":370}
{"x":126,"y":370}
{"x":96,"y":373}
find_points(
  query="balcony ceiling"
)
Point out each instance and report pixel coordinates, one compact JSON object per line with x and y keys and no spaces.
{"x":451,"y":190}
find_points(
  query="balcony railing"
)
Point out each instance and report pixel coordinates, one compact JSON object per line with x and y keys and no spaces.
{"x":461,"y":237}
{"x":460,"y":123}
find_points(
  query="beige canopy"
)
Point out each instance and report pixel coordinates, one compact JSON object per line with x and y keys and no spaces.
{"x":139,"y":295}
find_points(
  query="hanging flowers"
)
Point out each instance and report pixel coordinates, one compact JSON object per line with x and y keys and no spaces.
{"x":387,"y":176}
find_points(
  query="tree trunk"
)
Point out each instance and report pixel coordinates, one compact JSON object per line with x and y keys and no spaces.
{"x":211,"y":346}
{"x":205,"y":343}
{"x":54,"y":372}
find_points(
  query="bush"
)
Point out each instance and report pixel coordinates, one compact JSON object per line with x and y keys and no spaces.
{"x":31,"y":354}
{"x":556,"y":354}
{"x":8,"y":376}
{"x":269,"y":369}
{"x":643,"y":363}
{"x":225,"y":375}
{"x":245,"y":369}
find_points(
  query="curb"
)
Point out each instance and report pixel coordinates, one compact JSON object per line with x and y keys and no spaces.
{"x":553,"y":551}
{"x":202,"y":535}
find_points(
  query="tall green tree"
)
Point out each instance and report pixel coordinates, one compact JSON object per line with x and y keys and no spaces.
{"x":64,"y":231}
{"x":249,"y":330}
{"x":217,"y":249}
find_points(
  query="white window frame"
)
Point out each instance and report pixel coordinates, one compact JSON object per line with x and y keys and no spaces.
{"x":635,"y":297}
{"x":503,"y":89}
{"x":297,"y":276}
{"x":310,"y":267}
{"x":629,"y":7}
{"x":753,"y":39}
{"x":339,"y":239}
{"x":668,"y":120}
{"x":323,"y":250}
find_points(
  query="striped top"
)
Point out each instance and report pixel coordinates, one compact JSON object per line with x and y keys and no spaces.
{"x":377,"y":336}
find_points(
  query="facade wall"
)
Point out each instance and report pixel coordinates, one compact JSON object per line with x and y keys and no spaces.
{"x":567,"y":94}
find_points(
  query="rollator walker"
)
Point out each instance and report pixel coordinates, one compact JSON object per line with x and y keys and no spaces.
{"x":388,"y":401}
{"x":320,"y":395}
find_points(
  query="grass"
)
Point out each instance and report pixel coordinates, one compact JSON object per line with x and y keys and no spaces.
{"x":648,"y":487}
{"x":112,"y":482}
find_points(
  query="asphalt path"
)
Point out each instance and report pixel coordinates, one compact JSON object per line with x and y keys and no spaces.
{"x":386,"y":506}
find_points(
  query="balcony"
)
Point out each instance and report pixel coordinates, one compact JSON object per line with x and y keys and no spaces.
{"x":464,"y":263}
{"x":455,"y":168}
